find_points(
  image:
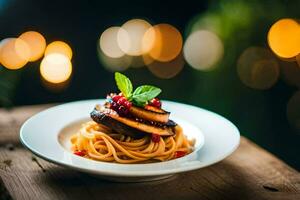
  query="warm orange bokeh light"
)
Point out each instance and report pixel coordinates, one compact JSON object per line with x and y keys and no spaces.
{"x":14,"y":53}
{"x":56,"y":68}
{"x":59,"y":47}
{"x":284,"y":38}
{"x":131,"y":36}
{"x":167,"y":42}
{"x":36,"y":43}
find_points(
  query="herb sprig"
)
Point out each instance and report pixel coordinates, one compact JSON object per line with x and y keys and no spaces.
{"x":141,"y":95}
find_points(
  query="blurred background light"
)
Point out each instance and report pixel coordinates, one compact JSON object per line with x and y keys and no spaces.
{"x":56,"y":68}
{"x":284,"y":38}
{"x":258,"y":68}
{"x":36,"y":43}
{"x":109,"y":42}
{"x":14,"y":53}
{"x":167,"y":42}
{"x":59,"y":47}
{"x":203,"y":50}
{"x":165,"y":70}
{"x":131,"y":40}
{"x":293,"y":111}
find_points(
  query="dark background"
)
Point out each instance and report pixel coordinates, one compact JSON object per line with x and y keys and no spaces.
{"x":259,"y":114}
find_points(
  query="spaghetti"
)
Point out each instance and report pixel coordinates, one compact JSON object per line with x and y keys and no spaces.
{"x":99,"y":142}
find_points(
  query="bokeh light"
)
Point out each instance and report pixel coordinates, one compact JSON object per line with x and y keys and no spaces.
{"x":165,"y":70}
{"x":203,"y":50}
{"x":284,"y":38}
{"x":109,"y":42}
{"x":14,"y":53}
{"x":36,"y":43}
{"x":167,"y":42}
{"x":59,"y":47}
{"x":258,"y":68}
{"x":131,"y":37}
{"x":56,"y":68}
{"x":293,"y":111}
{"x":109,"y":53}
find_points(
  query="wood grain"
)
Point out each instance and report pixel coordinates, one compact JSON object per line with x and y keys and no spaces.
{"x":249,"y":173}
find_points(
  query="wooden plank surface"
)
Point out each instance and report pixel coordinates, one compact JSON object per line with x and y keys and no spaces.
{"x":249,"y":173}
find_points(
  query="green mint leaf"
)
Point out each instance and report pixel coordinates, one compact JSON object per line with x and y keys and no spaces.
{"x":124,"y":84}
{"x":145,"y":93}
{"x":139,"y":104}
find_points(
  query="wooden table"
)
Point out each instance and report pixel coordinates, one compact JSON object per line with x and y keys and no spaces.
{"x":249,"y":173}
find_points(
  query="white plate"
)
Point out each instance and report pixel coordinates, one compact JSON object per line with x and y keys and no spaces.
{"x":47,"y":135}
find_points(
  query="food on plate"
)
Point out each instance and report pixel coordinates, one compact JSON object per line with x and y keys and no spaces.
{"x":131,"y":127}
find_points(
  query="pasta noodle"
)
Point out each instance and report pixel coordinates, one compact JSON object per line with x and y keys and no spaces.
{"x":99,"y":142}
